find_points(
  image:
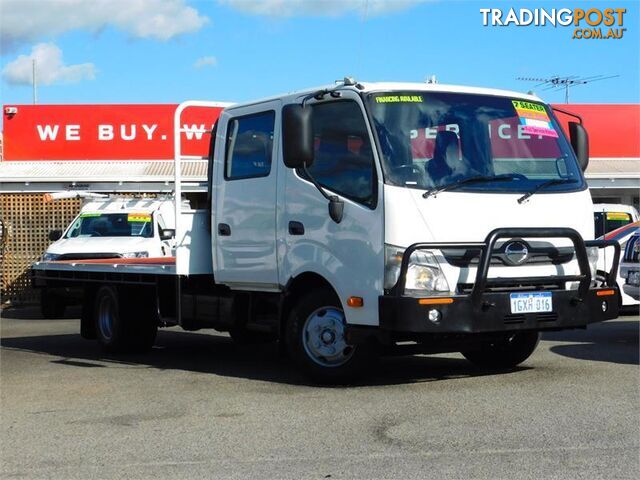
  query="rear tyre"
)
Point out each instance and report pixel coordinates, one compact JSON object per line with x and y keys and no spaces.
{"x":503,"y":353}
{"x":121,"y":323}
{"x":52,"y":306}
{"x":316,"y":340}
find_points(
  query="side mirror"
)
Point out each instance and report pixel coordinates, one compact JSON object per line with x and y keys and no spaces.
{"x":336,"y":209}
{"x":580,"y":143}
{"x":297,"y":136}
{"x":55,"y":235}
{"x":167,"y":233}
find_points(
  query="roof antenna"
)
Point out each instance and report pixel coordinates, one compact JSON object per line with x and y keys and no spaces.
{"x":432,"y":79}
{"x":557,"y":82}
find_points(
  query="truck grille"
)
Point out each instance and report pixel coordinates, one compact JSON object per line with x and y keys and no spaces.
{"x":543,"y":253}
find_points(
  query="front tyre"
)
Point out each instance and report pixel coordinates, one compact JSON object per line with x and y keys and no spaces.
{"x":316,"y":330}
{"x":503,"y":353}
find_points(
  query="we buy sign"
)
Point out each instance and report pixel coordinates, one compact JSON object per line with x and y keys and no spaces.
{"x":103,"y":132}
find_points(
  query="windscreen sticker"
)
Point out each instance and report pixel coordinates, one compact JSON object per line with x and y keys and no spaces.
{"x":617,"y":216}
{"x":534,"y":119}
{"x":89,"y":215}
{"x":139,"y":217}
{"x":399,"y":99}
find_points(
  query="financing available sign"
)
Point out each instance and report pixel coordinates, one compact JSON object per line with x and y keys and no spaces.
{"x":591,"y":23}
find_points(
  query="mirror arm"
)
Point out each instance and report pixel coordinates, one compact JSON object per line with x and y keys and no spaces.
{"x":336,"y":206}
{"x":556,"y":109}
{"x":315,"y":183}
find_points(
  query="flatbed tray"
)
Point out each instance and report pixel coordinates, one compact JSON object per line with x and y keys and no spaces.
{"x":154,"y":266}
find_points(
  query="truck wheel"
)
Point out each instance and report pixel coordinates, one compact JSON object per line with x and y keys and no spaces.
{"x":505,"y":353}
{"x":52,"y":306}
{"x":316,"y":340}
{"x":122,"y":326}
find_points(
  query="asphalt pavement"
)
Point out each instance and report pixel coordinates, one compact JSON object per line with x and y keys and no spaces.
{"x":199,"y":406}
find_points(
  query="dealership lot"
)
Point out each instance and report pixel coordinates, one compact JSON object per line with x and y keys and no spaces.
{"x":199,"y":406}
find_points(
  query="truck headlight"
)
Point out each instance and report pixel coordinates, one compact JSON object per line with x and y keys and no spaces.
{"x":592,"y":256}
{"x":423,"y":275}
{"x":49,"y":257}
{"x":135,"y":255}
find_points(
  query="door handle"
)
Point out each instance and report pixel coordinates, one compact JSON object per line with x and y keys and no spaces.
{"x":296,"y":228}
{"x":224,"y":230}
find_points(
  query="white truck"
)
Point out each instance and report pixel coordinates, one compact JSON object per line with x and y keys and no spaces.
{"x":358,"y":215}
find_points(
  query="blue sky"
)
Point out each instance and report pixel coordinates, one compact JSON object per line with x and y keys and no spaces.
{"x":251,"y":49}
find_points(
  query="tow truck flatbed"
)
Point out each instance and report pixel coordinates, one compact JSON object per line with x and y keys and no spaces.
{"x":98,"y":269}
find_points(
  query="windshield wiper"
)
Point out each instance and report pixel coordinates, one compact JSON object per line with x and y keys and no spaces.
{"x":543,"y":185}
{"x":466,"y":181}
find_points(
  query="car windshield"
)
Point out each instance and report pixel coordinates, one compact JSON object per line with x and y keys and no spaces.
{"x":430,"y":140}
{"x":112,"y":225}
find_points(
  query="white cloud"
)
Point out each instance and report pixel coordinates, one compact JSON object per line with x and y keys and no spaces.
{"x":327,"y":8}
{"x":205,"y":62}
{"x":28,"y":20}
{"x":49,"y":68}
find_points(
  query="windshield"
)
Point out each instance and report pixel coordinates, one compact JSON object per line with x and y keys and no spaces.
{"x":429,"y":140}
{"x":112,"y":225}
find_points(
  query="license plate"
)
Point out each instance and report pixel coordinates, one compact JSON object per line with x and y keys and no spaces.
{"x":633,"y":277}
{"x":531,"y":302}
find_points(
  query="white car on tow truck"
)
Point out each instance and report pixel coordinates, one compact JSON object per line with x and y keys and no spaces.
{"x":359,"y":215}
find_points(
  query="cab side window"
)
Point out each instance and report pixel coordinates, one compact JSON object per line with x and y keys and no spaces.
{"x":249,"y":146}
{"x":343,"y":159}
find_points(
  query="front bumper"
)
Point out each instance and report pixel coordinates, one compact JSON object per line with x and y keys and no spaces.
{"x":406,"y":314}
{"x":487,"y":308}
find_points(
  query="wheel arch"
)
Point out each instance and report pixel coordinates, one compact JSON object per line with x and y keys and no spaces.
{"x":297,"y":286}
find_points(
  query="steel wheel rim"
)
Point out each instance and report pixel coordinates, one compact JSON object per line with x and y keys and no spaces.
{"x":323,"y":337}
{"x":106,"y":316}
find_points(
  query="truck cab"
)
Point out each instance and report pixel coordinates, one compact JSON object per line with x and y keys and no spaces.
{"x":406,"y":211}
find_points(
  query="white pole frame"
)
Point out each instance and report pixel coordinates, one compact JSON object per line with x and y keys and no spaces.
{"x":177,"y":153}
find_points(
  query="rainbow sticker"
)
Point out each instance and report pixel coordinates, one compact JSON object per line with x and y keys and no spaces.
{"x":139,"y":217}
{"x":534,"y":119}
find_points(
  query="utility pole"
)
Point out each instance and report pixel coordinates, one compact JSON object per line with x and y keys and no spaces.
{"x":35,"y":88}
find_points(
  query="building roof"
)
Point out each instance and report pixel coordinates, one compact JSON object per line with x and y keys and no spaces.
{"x":111,"y":175}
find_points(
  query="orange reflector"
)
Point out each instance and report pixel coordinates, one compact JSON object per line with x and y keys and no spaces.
{"x":355,"y":302}
{"x":605,"y":293}
{"x":435,"y":301}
